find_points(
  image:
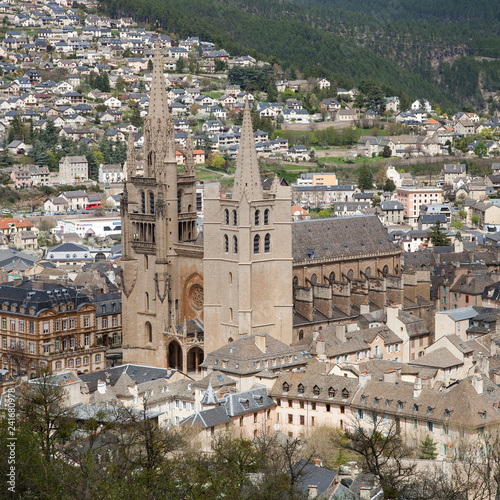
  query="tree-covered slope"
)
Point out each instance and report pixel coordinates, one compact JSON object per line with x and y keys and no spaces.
{"x":421,"y":48}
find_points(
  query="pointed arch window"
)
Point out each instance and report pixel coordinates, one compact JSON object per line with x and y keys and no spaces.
{"x":143,"y":202}
{"x":385,"y":270}
{"x":266,"y":217}
{"x":295,"y":281}
{"x":149,"y":332}
{"x":314,"y":279}
{"x":267,"y":243}
{"x":226,"y":216}
{"x":256,"y":244}
{"x":235,"y":244}
{"x":257,"y":217}
{"x":235,"y":218}
{"x":226,"y":243}
{"x":331,"y":277}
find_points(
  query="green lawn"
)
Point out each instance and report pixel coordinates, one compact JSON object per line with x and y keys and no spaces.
{"x":357,"y":161}
{"x":213,"y":94}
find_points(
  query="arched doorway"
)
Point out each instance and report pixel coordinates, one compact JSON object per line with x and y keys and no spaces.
{"x":195,"y":357}
{"x":174,"y":355}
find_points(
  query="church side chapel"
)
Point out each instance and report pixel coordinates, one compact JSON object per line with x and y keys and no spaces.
{"x":251,"y":270}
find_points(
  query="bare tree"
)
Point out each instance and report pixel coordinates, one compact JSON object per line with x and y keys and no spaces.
{"x":382,"y":453}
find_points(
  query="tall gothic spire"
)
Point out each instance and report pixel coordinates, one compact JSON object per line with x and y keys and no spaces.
{"x":131,"y":157}
{"x":158,"y":103}
{"x":247,"y":179}
{"x":189,"y":164}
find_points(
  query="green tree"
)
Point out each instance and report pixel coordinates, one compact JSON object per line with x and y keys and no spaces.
{"x":389,"y":185}
{"x":437,"y":236}
{"x":120,"y":84}
{"x":217,"y":161}
{"x":150,"y":64}
{"x":136,"y":118}
{"x":481,"y":150}
{"x":6,"y":159}
{"x":323,"y":214}
{"x":427,"y":449}
{"x":180,"y":65}
{"x":475,"y":220}
{"x":365,"y":178}
{"x":387,"y":151}
{"x":128,"y":53}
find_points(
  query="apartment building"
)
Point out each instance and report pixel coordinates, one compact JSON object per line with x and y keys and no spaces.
{"x":413,"y":199}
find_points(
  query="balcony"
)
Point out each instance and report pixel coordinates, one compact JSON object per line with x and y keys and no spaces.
{"x":186,"y":216}
{"x":143,"y":247}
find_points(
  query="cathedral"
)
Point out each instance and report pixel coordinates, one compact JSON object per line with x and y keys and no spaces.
{"x":250,"y":270}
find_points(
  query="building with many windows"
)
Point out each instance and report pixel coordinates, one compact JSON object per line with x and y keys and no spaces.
{"x":48,"y":326}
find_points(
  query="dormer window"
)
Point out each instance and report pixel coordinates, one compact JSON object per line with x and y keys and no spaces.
{"x":387,"y":402}
{"x":377,"y":401}
{"x":331,"y":392}
{"x":316,"y":390}
{"x":400,"y":405}
{"x":415,"y":407}
{"x":286,"y":387}
{"x":301,"y":389}
{"x":447,"y":413}
{"x":363,"y":398}
{"x":345,"y":393}
{"x":429,"y":410}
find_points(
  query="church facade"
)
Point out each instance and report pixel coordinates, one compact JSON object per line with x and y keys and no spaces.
{"x":252,"y":270}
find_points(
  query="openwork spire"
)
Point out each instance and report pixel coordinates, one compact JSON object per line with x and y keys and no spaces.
{"x":131,"y":157}
{"x":189,"y":164}
{"x":158,"y":103}
{"x":247,"y":179}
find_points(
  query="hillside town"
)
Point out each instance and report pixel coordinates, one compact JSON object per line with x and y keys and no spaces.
{"x":199,"y":253}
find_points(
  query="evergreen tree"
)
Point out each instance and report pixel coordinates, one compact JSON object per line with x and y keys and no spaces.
{"x":5,"y":158}
{"x":136,"y":118}
{"x":387,"y":152}
{"x":389,"y":185}
{"x":427,"y":449}
{"x":437,"y":236}
{"x":365,"y":178}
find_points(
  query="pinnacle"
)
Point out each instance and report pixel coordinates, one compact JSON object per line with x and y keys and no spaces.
{"x":247,"y":179}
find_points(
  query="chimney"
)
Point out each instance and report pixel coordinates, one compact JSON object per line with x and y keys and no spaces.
{"x":364,"y":308}
{"x":364,"y":377}
{"x":393,"y":375}
{"x":320,"y":347}
{"x":101,"y":386}
{"x":352,"y":326}
{"x":317,"y":462}
{"x":417,"y":388}
{"x":340,"y":331}
{"x":312,"y":491}
{"x":477,"y":383}
{"x":17,"y":281}
{"x":365,"y":492}
{"x":315,"y":334}
{"x":260,"y":341}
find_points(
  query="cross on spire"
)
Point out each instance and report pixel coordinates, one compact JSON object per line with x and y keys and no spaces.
{"x":247,"y":178}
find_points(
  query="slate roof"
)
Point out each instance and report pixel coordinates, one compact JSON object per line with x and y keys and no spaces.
{"x":311,"y":474}
{"x":140,"y":374}
{"x":317,"y":239}
{"x":244,"y":357}
{"x":50,"y":296}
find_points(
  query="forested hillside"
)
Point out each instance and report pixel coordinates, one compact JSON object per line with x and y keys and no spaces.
{"x":448,"y":51}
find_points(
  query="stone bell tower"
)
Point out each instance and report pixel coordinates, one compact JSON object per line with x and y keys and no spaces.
{"x":159,"y":255}
{"x":248,"y":254}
